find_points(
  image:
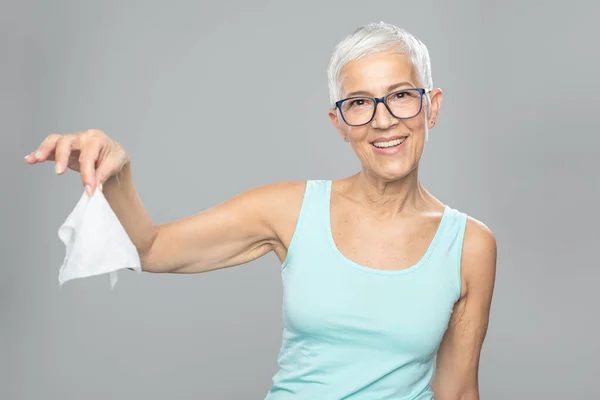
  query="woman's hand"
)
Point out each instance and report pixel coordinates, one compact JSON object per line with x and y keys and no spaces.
{"x":92,"y":153}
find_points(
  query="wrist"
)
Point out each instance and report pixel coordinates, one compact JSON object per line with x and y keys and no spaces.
{"x":119,"y":179}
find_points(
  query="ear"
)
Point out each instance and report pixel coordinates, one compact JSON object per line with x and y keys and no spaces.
{"x":337,"y":123}
{"x":435,"y":104}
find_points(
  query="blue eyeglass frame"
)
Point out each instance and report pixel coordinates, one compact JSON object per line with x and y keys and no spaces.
{"x":383,"y":100}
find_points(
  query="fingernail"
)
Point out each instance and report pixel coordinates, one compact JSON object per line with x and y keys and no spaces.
{"x":88,"y":190}
{"x":58,"y":168}
{"x":38,"y":154}
{"x":100,"y":186}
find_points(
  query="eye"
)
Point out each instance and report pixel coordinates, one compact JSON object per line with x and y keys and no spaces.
{"x":359,"y":102}
{"x":404,"y":94}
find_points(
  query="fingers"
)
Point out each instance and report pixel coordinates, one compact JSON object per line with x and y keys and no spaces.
{"x":90,"y":151}
{"x":108,"y":167}
{"x":62,"y":152}
{"x":103,"y":172}
{"x":45,"y":149}
{"x":82,"y":152}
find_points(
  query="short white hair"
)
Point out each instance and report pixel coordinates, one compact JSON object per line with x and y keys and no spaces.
{"x":372,"y":38}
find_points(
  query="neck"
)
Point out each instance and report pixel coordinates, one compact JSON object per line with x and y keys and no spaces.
{"x":389,"y":198}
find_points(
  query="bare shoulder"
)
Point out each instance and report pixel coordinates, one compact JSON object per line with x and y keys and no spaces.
{"x":261,"y":210}
{"x":478,"y":256}
{"x":278,"y":196}
{"x":281,"y":203}
{"x":282,"y":188}
{"x":479,"y":238}
{"x":268,"y":196}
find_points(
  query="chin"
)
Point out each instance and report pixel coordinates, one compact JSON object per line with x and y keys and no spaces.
{"x":392,"y":173}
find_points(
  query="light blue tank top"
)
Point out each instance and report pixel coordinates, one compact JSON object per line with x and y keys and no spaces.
{"x":355,"y":332}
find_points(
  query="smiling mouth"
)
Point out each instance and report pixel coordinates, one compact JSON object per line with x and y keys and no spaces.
{"x":389,"y":143}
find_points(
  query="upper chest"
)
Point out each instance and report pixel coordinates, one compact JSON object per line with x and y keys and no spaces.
{"x":376,"y":242}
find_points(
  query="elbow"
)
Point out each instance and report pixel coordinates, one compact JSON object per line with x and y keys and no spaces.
{"x":149,"y":261}
{"x":158,"y":254}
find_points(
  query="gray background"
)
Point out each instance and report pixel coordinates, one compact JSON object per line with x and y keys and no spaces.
{"x":516,"y":146}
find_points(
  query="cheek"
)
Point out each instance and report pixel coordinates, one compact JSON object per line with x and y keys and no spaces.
{"x":357,"y":133}
{"x":418,"y":129}
{"x":361,"y":149}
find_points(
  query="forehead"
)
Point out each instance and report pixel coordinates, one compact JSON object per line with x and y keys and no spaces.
{"x":376,"y":72}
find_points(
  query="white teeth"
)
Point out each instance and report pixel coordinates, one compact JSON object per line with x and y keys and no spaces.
{"x":391,"y":143}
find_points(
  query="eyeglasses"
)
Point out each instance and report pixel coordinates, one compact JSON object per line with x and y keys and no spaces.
{"x":402,"y":104}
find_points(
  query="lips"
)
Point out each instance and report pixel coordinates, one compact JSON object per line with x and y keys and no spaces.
{"x":387,"y":142}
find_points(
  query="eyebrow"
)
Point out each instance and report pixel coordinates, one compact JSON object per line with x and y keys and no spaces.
{"x":391,"y":88}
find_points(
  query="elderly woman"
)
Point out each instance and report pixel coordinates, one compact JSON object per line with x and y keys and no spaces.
{"x":387,"y":290}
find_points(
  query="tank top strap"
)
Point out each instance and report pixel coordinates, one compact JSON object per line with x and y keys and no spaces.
{"x":311,"y":227}
{"x":322,"y":198}
{"x":316,"y":203}
{"x":448,"y":249}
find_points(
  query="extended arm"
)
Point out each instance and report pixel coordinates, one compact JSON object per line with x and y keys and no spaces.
{"x":234,"y":232}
